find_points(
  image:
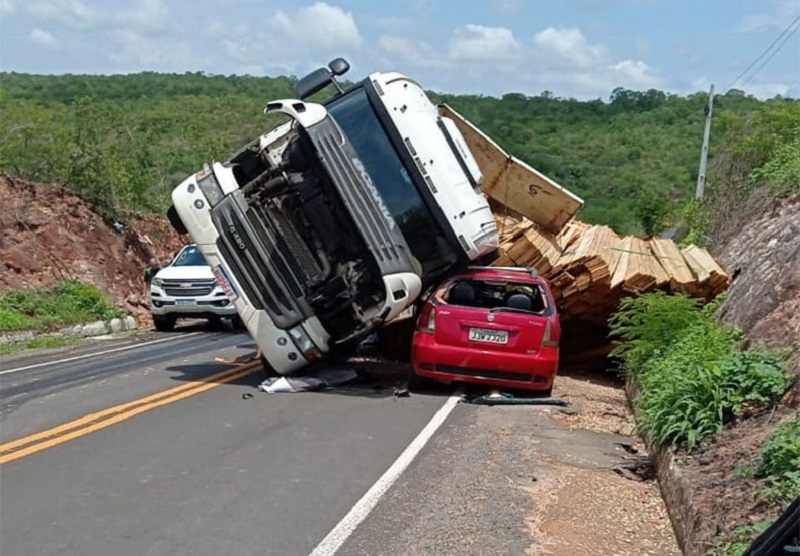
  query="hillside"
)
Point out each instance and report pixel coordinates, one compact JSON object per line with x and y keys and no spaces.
{"x":48,"y":234}
{"x":124,"y":141}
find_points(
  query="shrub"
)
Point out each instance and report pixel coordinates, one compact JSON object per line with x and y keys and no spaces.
{"x":647,"y":325}
{"x":70,"y":302}
{"x":780,"y":462}
{"x":693,"y":379}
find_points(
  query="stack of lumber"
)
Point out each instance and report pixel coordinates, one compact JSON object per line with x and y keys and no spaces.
{"x":590,"y":268}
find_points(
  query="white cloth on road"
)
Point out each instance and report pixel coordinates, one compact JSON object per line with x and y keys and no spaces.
{"x":324,"y":378}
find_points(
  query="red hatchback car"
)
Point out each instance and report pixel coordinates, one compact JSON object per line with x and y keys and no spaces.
{"x":494,"y":326}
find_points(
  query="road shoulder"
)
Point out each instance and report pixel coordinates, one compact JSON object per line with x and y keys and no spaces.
{"x":526,"y":480}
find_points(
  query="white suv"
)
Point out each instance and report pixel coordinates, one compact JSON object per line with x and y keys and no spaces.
{"x":187,"y":288}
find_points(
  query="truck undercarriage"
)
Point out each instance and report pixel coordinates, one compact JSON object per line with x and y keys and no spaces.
{"x":288,"y":227}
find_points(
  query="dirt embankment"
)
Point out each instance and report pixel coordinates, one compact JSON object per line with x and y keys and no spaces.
{"x":48,"y":234}
{"x":764,"y":301}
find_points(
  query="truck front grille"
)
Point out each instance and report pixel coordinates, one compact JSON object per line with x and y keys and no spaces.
{"x":255,"y":265}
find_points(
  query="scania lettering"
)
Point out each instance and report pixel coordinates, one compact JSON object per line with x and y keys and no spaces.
{"x":333,"y":222}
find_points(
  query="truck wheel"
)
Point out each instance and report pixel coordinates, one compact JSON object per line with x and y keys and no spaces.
{"x":237,"y":323}
{"x":164,"y":323}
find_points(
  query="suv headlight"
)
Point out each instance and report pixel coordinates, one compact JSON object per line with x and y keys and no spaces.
{"x":157,"y":281}
{"x":304,"y":344}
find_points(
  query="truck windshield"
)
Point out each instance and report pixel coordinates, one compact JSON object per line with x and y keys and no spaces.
{"x":359,"y":122}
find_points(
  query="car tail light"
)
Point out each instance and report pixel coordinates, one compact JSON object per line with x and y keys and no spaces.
{"x":427,"y":321}
{"x":546,"y":341}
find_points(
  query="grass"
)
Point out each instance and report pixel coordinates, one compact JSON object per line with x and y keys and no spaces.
{"x":47,"y":341}
{"x":48,"y":309}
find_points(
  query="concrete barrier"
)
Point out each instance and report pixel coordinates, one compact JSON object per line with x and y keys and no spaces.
{"x":96,"y":328}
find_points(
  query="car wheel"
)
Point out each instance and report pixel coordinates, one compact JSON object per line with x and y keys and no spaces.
{"x":164,"y":323}
{"x":215,"y":323}
{"x":414,"y":382}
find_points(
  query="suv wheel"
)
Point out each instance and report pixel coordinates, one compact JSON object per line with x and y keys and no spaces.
{"x":164,"y":323}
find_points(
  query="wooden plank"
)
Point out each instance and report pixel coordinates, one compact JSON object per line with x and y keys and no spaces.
{"x":669,"y":255}
{"x":513,"y":183}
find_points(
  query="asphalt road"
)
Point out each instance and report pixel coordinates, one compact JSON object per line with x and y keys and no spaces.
{"x":213,"y":466}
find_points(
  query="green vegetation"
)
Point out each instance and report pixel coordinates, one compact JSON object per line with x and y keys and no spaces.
{"x":123,"y":142}
{"x":693,"y":378}
{"x":758,"y":157}
{"x":780,"y":462}
{"x":70,"y":302}
{"x":739,"y":541}
{"x":47,"y":341}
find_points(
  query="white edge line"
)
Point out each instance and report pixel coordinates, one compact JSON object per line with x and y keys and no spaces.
{"x":359,"y":512}
{"x":97,"y":353}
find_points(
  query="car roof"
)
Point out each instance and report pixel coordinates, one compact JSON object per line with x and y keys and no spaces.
{"x":511,"y":274}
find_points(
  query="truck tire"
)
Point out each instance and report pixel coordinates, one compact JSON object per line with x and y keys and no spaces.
{"x":164,"y":323}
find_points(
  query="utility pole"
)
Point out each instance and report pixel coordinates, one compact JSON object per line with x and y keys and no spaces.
{"x":701,"y":174}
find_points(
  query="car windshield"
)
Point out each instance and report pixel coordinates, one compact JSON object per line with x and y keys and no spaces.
{"x":358,"y":120}
{"x":190,"y":256}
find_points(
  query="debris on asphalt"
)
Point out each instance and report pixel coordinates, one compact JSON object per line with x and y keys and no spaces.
{"x":497,"y":398}
{"x":326,"y":377}
{"x":401,"y":393}
{"x":247,"y":395}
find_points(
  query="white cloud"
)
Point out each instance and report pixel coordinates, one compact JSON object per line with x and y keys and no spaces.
{"x":73,"y":14}
{"x":137,"y":50}
{"x":330,"y":27}
{"x":7,"y":7}
{"x":785,"y":11}
{"x":509,"y":7}
{"x":569,"y":45}
{"x":635,"y":74}
{"x":479,"y":44}
{"x":767,"y":90}
{"x":44,"y":39}
{"x":148,"y":16}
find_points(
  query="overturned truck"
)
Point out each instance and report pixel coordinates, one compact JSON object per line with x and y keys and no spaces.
{"x":333,"y":223}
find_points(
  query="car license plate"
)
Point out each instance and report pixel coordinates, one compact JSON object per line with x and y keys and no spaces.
{"x":490,"y":336}
{"x":225,"y":283}
{"x":185,"y":302}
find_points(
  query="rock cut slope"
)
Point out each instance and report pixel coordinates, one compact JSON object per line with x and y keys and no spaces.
{"x":48,"y":234}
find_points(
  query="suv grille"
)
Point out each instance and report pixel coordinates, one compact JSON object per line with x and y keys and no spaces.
{"x":188,"y":288}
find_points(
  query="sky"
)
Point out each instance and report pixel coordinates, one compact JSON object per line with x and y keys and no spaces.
{"x":581,"y":49}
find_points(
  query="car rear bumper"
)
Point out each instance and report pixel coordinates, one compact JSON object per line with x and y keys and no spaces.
{"x":446,"y":363}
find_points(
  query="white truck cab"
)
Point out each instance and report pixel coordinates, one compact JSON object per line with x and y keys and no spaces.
{"x":334,"y":222}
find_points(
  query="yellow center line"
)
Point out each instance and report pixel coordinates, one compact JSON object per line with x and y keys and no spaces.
{"x":96,"y":421}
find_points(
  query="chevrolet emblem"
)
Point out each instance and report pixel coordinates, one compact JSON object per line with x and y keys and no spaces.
{"x":186,"y":286}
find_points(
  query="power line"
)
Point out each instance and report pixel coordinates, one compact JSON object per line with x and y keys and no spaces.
{"x":774,"y":52}
{"x":767,"y":51}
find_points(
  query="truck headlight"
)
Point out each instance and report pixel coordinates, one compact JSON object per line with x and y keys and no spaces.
{"x":304,"y":344}
{"x":157,"y":281}
{"x":211,"y":189}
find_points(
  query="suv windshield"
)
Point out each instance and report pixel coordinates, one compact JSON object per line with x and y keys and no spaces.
{"x":190,"y":256}
{"x":358,"y":120}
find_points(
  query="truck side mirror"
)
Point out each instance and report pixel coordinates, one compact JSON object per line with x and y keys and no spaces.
{"x":339,"y":66}
{"x":321,"y":78}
